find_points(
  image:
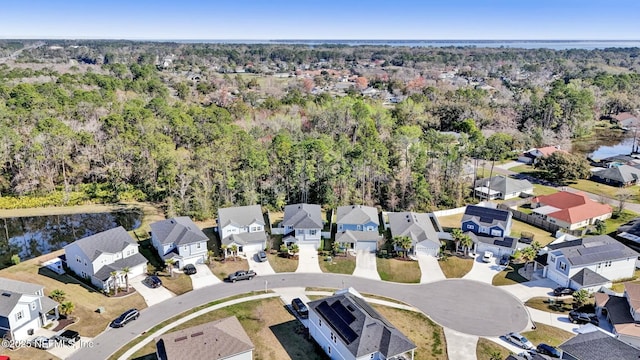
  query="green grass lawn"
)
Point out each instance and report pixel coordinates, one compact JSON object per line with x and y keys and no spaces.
{"x":338,"y":264}
{"x":618,"y":286}
{"x":558,"y":306}
{"x":282,"y":264}
{"x":603,"y":189}
{"x":624,"y":217}
{"x":548,"y":335}
{"x":541,"y":236}
{"x":487,"y":350}
{"x":178,"y":284}
{"x":455,"y":267}
{"x":524,"y":168}
{"x":509,"y":276}
{"x":398,"y":270}
{"x":543,"y":190}
{"x":450,"y":221}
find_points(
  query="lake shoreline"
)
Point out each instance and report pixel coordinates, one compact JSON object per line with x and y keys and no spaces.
{"x":66,"y":210}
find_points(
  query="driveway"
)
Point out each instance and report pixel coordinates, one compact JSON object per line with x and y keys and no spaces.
{"x":460,"y":346}
{"x":429,"y":268}
{"x":261,"y":268}
{"x":151,"y":296}
{"x":482,"y":271}
{"x":308,"y":259}
{"x":65,"y":351}
{"x":366,"y":265}
{"x":527,"y":290}
{"x":560,"y":321}
{"x":204,"y":277}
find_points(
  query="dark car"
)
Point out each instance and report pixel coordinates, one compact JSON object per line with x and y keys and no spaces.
{"x":262,"y":256}
{"x":241,"y":275}
{"x":549,"y":350}
{"x":300,"y":308}
{"x":504,"y":260}
{"x":125,"y":318}
{"x":562,"y":291}
{"x":189,"y":269}
{"x":153,"y":281}
{"x":583,"y":318}
{"x":68,"y":337}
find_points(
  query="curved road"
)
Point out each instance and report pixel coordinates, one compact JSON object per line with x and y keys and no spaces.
{"x":466,"y":306}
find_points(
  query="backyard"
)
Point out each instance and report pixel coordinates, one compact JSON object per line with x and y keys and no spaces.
{"x":398,"y":270}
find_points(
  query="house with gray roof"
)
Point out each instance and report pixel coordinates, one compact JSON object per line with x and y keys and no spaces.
{"x":346,"y":327}
{"x":357,"y":227}
{"x":497,"y":245}
{"x":620,"y":176}
{"x":502,"y":187}
{"x":179,"y":239}
{"x":302,"y":224}
{"x":97,"y":256}
{"x":589,"y":263}
{"x":597,"y":345}
{"x":23,"y":309}
{"x":243,"y":227}
{"x":486,"y":220}
{"x":420,"y":228}
{"x":223,"y":339}
{"x":622,"y":312}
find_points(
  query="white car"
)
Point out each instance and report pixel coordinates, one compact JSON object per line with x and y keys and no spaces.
{"x":519,"y":340}
{"x":487,"y":257}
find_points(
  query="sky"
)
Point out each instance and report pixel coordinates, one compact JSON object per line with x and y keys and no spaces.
{"x":321,"y":19}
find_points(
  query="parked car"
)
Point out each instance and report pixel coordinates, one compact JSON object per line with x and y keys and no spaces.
{"x":153,"y":281}
{"x":583,"y":318}
{"x":68,"y":337}
{"x":41,"y":342}
{"x":562,"y":291}
{"x":125,"y":318}
{"x":487,"y":257}
{"x":262,"y":256}
{"x":189,"y":269}
{"x":241,"y":275}
{"x":549,"y":350}
{"x":504,"y":260}
{"x":519,"y":340}
{"x":300,"y":308}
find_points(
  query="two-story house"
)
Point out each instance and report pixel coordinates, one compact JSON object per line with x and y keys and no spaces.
{"x":346,"y":327}
{"x":242,"y":226}
{"x":97,"y":256}
{"x":485,"y":220}
{"x":570,"y":210}
{"x":357,"y":227}
{"x":419,"y":227}
{"x":179,"y":239}
{"x":589,"y":263}
{"x":304,"y":223}
{"x":23,"y":309}
{"x":502,"y":187}
{"x":623,"y":312}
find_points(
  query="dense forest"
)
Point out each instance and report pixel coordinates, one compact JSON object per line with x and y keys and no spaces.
{"x":200,"y":126}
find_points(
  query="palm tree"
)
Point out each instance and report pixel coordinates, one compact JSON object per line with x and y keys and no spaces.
{"x":536,"y":246}
{"x":234,"y":251}
{"x":528,"y":254}
{"x":457,"y":235}
{"x":114,"y":276}
{"x":403,"y":242}
{"x":57,"y":295}
{"x":466,"y":243}
{"x":66,"y":308}
{"x":126,"y":272}
{"x":295,"y":249}
{"x":580,"y":297}
{"x":224,"y":248}
{"x":170,"y":263}
{"x":335,"y":247}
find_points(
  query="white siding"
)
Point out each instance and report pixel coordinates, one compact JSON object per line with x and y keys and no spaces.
{"x":321,"y":332}
{"x":244,"y":356}
{"x":367,"y":245}
{"x":77,"y":261}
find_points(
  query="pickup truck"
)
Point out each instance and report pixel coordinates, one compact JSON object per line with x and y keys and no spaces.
{"x":241,"y":275}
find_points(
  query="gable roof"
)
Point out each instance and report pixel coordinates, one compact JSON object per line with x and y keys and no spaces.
{"x":350,"y":236}
{"x":417,"y":226}
{"x":486,"y":216}
{"x":109,"y":241}
{"x":19,"y":286}
{"x":632,"y":291}
{"x":361,"y":328}
{"x":179,"y":231}
{"x":8,"y":301}
{"x":258,"y":237}
{"x":587,"y":277}
{"x":592,"y":250}
{"x":573,"y":207}
{"x":357,"y":214}
{"x":302,"y":216}
{"x":622,"y":173}
{"x":504,"y":184}
{"x":619,"y":314}
{"x":130,"y":261}
{"x":240,"y":216}
{"x":506,"y":242}
{"x":548,"y":150}
{"x":597,"y":345}
{"x":218,"y":339}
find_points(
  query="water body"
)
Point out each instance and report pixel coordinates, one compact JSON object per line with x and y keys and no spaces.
{"x":604,"y":144}
{"x":31,"y":237}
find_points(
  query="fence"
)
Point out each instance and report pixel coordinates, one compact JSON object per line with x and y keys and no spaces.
{"x":448,"y":212}
{"x":539,"y":222}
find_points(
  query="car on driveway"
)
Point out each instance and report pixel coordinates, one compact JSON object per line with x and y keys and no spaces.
{"x":152,"y":281}
{"x":519,"y":340}
{"x":262,"y":256}
{"x":583,"y":318}
{"x":125,"y":318}
{"x":41,"y":342}
{"x":67,"y":337}
{"x":241,"y":275}
{"x":189,"y":269}
{"x":563,"y":291}
{"x":300,"y":308}
{"x":504,"y":260}
{"x":549,"y":350}
{"x":487,"y":257}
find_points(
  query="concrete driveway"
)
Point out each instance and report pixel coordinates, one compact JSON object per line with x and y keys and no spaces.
{"x":261,"y":268}
{"x":526,"y":290}
{"x":429,"y":268}
{"x":308,"y":259}
{"x":64,"y":351}
{"x":151,"y":296}
{"x":204,"y":277}
{"x":560,"y":321}
{"x":366,"y":265}
{"x":460,"y":346}
{"x":482,"y":271}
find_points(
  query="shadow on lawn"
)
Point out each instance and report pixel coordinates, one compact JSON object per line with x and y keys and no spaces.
{"x":64,"y":278}
{"x":295,"y":339}
{"x":512,"y":273}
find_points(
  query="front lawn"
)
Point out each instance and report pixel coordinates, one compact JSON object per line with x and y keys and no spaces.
{"x":551,"y":304}
{"x":547,"y":334}
{"x":613,"y":224}
{"x":222,"y":268}
{"x":603,"y":189}
{"x":509,"y":276}
{"x":398,"y":270}
{"x":455,"y":267}
{"x":487,"y":349}
{"x":178,"y":284}
{"x":338,"y":264}
{"x":281,"y":264}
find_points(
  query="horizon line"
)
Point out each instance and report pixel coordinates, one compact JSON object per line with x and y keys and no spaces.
{"x":318,"y":39}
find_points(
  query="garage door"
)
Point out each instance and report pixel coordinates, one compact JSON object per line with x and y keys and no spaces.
{"x":552,"y":275}
{"x":422,"y":249}
{"x":366,"y":245}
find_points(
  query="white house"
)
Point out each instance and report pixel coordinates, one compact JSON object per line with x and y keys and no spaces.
{"x":242,"y":226}
{"x":348,"y":328}
{"x":419,"y":228}
{"x":589,"y":263}
{"x":570,"y":210}
{"x":179,"y":239}
{"x":304,"y":222}
{"x":502,"y":187}
{"x":97,"y":256}
{"x":23,"y":309}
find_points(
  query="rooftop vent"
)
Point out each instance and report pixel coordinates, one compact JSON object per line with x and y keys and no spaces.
{"x":180,"y":338}
{"x":6,"y":294}
{"x":197,"y":334}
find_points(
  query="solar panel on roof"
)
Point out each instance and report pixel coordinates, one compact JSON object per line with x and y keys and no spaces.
{"x":487,"y":213}
{"x":344,"y":314}
{"x":335,"y":321}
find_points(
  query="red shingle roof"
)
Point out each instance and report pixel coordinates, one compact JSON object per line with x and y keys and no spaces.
{"x":574,"y":207}
{"x":548,"y":150}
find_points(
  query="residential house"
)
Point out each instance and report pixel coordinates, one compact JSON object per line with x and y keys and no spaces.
{"x":357,"y":227}
{"x":420,"y":228}
{"x":243,"y":227}
{"x":302,"y":224}
{"x":570,"y":210}
{"x":533,"y":156}
{"x":497,"y":245}
{"x":597,"y":345}
{"x":589,"y":263}
{"x":502,"y":187}
{"x":622,"y":312}
{"x":626,"y":121}
{"x":23,"y":309}
{"x":616,"y":160}
{"x":216,"y":340}
{"x":486,"y":220}
{"x":621,"y":175}
{"x":181,"y":240}
{"x":97,"y":256}
{"x":346,"y":327}
{"x":630,"y":231}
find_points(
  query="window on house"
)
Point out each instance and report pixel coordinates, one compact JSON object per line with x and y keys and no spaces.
{"x":608,"y":263}
{"x":312,"y":232}
{"x":199,"y":245}
{"x":319,"y":322}
{"x":552,"y":258}
{"x":359,"y":227}
{"x":33,"y":305}
{"x":19,"y":315}
{"x":469,"y":226}
{"x":563,"y":266}
{"x":329,"y":349}
{"x":78,"y":259}
{"x":599,"y":265}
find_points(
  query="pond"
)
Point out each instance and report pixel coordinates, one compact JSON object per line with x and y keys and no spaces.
{"x":31,"y":237}
{"x":604,"y":144}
